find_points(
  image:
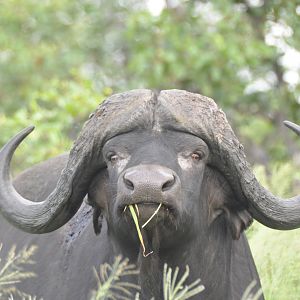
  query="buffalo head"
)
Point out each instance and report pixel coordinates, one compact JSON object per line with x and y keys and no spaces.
{"x":174,"y":150}
{"x":149,"y":169}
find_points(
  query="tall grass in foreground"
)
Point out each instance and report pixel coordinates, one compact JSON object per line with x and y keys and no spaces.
{"x":110,"y":278}
{"x":277,"y":253}
{"x":110,"y":285}
{"x":175,"y":289}
{"x":12,"y":272}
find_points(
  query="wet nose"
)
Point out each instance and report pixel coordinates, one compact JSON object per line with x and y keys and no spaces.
{"x":149,"y":178}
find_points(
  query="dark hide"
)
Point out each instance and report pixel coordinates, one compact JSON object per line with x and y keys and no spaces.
{"x":66,"y":257}
{"x":206,"y":235}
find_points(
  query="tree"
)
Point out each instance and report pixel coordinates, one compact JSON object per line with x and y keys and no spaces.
{"x":233,"y":51}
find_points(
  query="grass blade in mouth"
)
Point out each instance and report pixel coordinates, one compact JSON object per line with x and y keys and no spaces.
{"x":156,"y":211}
{"x":137,"y":209}
{"x":136,"y":222}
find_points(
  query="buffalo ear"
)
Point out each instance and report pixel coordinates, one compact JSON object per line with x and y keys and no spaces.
{"x":97,"y":198}
{"x":97,"y":220}
{"x":238,"y":220}
{"x":223,"y":202}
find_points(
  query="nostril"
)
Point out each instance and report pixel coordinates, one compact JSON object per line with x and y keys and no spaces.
{"x":168,"y":184}
{"x":129,"y":184}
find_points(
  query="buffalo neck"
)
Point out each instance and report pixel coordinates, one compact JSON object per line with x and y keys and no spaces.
{"x":207,"y":254}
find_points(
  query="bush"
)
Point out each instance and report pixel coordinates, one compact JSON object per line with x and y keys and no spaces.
{"x":55,"y":129}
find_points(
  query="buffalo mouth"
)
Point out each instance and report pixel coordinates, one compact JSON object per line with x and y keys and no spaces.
{"x":147,"y":218}
{"x":149,"y":213}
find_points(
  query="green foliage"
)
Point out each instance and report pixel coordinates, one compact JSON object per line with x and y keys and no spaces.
{"x":182,"y":53}
{"x":278,"y":262}
{"x":42,"y":40}
{"x":275,"y":252}
{"x":255,"y":129}
{"x":58,"y":114}
{"x":59,"y":59}
{"x":224,"y":49}
{"x":278,"y":178}
{"x":12,"y":272}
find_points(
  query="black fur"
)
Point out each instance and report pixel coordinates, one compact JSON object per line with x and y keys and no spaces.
{"x":205,"y":231}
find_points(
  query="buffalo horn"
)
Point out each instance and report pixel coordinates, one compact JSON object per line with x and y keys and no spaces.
{"x":33,"y":217}
{"x":272,"y":211}
{"x":85,"y":160}
{"x":201,"y":116}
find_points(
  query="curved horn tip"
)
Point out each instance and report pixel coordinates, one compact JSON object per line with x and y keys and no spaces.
{"x":10,"y":147}
{"x":292,"y":126}
{"x":24,"y":133}
{"x":28,"y":129}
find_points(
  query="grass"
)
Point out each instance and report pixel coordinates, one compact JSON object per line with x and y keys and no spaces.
{"x":136,"y":222}
{"x":13,"y":271}
{"x":277,"y":257}
{"x":111,"y":285}
{"x":110,"y":281}
{"x":276,"y":253}
{"x":176,"y":289}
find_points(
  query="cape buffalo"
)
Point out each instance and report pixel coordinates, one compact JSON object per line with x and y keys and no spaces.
{"x":175,"y":150}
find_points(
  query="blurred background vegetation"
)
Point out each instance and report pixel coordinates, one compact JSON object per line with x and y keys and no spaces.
{"x":59,"y":59}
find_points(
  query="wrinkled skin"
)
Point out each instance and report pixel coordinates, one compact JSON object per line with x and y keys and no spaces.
{"x":193,"y":231}
{"x":192,"y":227}
{"x":149,"y":155}
{"x":70,"y":253}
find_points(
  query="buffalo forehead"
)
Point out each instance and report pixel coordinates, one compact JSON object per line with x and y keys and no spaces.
{"x":172,"y":110}
{"x":124,"y":112}
{"x":185,"y":111}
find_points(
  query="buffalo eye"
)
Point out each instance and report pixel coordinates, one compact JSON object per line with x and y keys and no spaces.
{"x":113,"y":158}
{"x":196,"y":156}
